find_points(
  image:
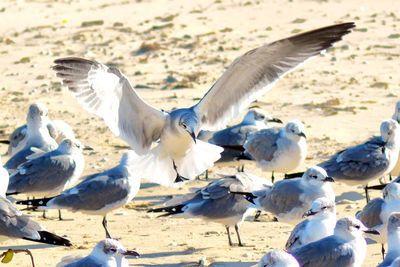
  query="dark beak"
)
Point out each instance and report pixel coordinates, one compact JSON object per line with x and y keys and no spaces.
{"x":131,"y":253}
{"x":372,"y":232}
{"x":303,"y":134}
{"x":309,"y":213}
{"x":275,"y":120}
{"x":329,"y":179}
{"x":193,"y":136}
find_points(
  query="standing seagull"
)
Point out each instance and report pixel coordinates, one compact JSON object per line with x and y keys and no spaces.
{"x":38,"y":136}
{"x":107,"y":253}
{"x":99,"y":193}
{"x":396,"y":116}
{"x":393,"y":238}
{"x":363,"y":163}
{"x":320,"y":223}
{"x":288,"y":200}
{"x":346,"y":247}
{"x":278,"y":149}
{"x":106,"y":92}
{"x":278,"y":258}
{"x":215,"y":202}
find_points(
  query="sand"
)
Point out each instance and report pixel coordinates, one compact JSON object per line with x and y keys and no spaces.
{"x":173,"y":51}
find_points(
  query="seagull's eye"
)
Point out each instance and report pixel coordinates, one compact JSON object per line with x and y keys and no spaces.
{"x":324,"y":208}
{"x":262,"y":117}
{"x":113,"y":250}
{"x":314,"y":176}
{"x":357,"y":226}
{"x":184,"y":126}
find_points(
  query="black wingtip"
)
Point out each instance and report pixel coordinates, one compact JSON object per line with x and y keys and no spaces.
{"x":6,"y":142}
{"x":248,"y":196}
{"x":168,"y":210}
{"x":376,"y":187}
{"x":293,"y":175}
{"x":51,"y":239}
{"x":40,"y":202}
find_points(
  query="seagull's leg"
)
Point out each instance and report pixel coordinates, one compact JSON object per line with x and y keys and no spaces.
{"x":206,"y":176}
{"x":27,"y":200}
{"x":179,"y":178}
{"x":242,"y":170}
{"x":44,"y":214}
{"x":59,"y":215}
{"x":229,"y":236}
{"x":258,"y":213}
{"x":105,"y":227}
{"x":383,"y":251}
{"x":366,"y":193}
{"x":272,"y":177}
{"x":238,"y":236}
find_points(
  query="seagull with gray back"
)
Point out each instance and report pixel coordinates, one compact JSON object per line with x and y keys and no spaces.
{"x":393,"y":238}
{"x":106,"y":92}
{"x":278,"y":258}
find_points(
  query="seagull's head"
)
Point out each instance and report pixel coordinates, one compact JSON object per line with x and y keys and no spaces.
{"x":37,"y":114}
{"x":396,"y":115}
{"x":259,"y":117}
{"x":391,"y":192}
{"x":390,"y":131}
{"x":277,"y":257}
{"x":394,"y":223}
{"x":111,"y":249}
{"x":349,"y":228}
{"x":69,"y":145}
{"x":321,"y":207}
{"x":316,"y":176}
{"x":294,"y":130}
{"x":187,"y":123}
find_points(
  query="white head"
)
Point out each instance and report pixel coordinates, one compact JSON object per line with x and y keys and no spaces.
{"x":278,"y":258}
{"x":294,"y":130}
{"x":70,"y":146}
{"x":37,"y":115}
{"x":391,"y":192}
{"x":111,"y":250}
{"x":396,"y":115}
{"x":389,"y":130}
{"x":4,"y":180}
{"x":321,"y":207}
{"x":259,"y":117}
{"x":185,"y":122}
{"x":393,"y":226}
{"x":349,"y":228}
{"x":316,"y":176}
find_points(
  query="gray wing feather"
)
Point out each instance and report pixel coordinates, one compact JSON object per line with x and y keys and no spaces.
{"x":18,"y":158}
{"x":370,"y":213}
{"x":107,"y":93}
{"x":254,"y":73}
{"x":262,"y":145}
{"x":235,"y":135}
{"x":85,"y":262}
{"x":294,"y":238}
{"x":16,"y":137}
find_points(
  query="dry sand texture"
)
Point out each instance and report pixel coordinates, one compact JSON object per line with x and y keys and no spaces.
{"x":173,"y":51}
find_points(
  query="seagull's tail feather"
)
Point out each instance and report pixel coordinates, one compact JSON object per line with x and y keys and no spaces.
{"x":293,"y":175}
{"x":52,"y":239}
{"x":169,"y":210}
{"x":198,"y":159}
{"x":40,"y":202}
{"x":247,"y":195}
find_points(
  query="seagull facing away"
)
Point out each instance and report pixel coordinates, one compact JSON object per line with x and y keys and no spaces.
{"x":38,"y":139}
{"x":320,"y":223}
{"x":346,"y":247}
{"x":278,"y":149}
{"x":107,"y":253}
{"x":360,"y":164}
{"x":106,"y":92}
{"x":215,"y":203}
{"x":393,"y":238}
{"x":288,"y":200}
{"x":376,"y":213}
{"x":278,"y":258}
{"x":58,"y":130}
{"x":99,"y":193}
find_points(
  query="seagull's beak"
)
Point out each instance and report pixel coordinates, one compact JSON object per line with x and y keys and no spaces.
{"x":131,"y":253}
{"x":303,"y":134}
{"x":329,"y":179}
{"x":309,"y":213}
{"x":371,"y":231}
{"x":275,"y":120}
{"x":193,"y":135}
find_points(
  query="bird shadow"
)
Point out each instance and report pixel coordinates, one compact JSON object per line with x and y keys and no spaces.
{"x":353,"y":196}
{"x":190,"y":264}
{"x":33,"y":246}
{"x":169,"y":253}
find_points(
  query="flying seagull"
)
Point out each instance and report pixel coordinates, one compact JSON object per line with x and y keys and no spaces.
{"x":179,"y":156}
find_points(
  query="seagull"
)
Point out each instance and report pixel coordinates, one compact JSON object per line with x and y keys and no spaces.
{"x":214,"y":202}
{"x":233,"y":138}
{"x":346,"y":247}
{"x":393,"y":238}
{"x":49,"y":173}
{"x":107,"y":253}
{"x":179,"y":156}
{"x":376,"y":213}
{"x":278,"y":149}
{"x":288,"y":200}
{"x":321,"y":222}
{"x":278,"y":258}
{"x":396,"y":116}
{"x":360,"y":164}
{"x":58,"y":130}
{"x":99,"y":193}
{"x":39,"y":139}
{"x":4,"y":179}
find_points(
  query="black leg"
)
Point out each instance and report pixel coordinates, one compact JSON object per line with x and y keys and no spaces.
{"x":258,"y":213}
{"x":179,"y":178}
{"x":206,"y":176}
{"x":238,"y":236}
{"x":383,"y":251}
{"x":44,"y":214}
{"x":366,"y":193}
{"x":272,"y":177}
{"x":105,"y":227}
{"x":59,"y":215}
{"x":229,"y":236}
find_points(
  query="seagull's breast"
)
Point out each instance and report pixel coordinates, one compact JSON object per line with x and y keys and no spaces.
{"x":174,"y":143}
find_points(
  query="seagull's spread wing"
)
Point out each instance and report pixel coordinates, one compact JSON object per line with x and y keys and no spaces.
{"x":252,"y":74}
{"x":107,"y":93}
